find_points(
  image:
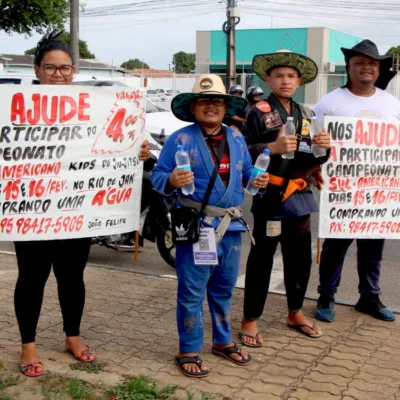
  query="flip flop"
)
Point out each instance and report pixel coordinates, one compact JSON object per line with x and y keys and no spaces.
{"x":227,"y":351}
{"x":24,"y":369}
{"x":299,"y":329}
{"x":191,"y":360}
{"x":81,"y":354}
{"x":257,"y":345}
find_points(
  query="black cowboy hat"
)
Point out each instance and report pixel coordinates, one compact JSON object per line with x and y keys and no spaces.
{"x":368,"y":48}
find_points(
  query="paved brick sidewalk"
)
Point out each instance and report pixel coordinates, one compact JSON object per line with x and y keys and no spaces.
{"x":130,"y":320}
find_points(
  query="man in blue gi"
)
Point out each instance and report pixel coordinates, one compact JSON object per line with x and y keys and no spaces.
{"x":211,"y":146}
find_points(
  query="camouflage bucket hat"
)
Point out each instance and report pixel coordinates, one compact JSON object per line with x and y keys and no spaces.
{"x":206,"y":86}
{"x":307,"y":68}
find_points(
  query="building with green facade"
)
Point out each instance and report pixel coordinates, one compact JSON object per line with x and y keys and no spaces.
{"x":321,"y":44}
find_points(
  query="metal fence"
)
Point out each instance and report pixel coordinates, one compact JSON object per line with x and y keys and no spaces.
{"x":325,"y":83}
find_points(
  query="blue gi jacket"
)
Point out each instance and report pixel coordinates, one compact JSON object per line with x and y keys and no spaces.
{"x":191,"y":138}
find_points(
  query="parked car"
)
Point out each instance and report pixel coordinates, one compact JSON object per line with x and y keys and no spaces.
{"x":18,"y":79}
{"x":161,"y":94}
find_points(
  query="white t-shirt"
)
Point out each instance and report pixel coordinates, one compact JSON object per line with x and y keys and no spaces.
{"x":342,"y":103}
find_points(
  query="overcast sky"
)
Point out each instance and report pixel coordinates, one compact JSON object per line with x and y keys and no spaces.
{"x":155,"y":36}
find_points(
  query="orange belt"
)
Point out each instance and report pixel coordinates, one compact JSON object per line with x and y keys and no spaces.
{"x":293,"y":186}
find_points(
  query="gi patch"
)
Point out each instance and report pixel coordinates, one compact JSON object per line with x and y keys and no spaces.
{"x":304,"y":147}
{"x":305,"y":131}
{"x":272,"y":119}
{"x":264,"y":106}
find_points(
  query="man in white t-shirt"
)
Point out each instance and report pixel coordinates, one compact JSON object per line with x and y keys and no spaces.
{"x":363,"y":97}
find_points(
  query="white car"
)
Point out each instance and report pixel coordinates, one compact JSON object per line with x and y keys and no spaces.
{"x":18,"y":79}
{"x":161,"y":94}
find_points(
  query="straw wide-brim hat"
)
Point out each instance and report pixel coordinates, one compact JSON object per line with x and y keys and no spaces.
{"x":264,"y":63}
{"x":205,"y":86}
{"x":369,"y":49}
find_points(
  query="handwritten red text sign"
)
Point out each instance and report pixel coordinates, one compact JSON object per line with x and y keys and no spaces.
{"x":361,"y":195}
{"x":69,"y":161}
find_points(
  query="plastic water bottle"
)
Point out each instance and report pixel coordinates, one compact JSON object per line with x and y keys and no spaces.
{"x":259,"y":168}
{"x":183,"y":163}
{"x":316,"y":150}
{"x":290,"y":130}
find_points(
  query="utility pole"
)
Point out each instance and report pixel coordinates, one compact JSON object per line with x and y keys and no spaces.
{"x":74,"y":31}
{"x":233,"y":19}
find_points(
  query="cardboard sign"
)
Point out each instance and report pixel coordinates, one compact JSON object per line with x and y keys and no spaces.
{"x":69,"y":161}
{"x":361,"y":195}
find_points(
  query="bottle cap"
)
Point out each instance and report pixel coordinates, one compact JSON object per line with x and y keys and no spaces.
{"x":179,"y":147}
{"x":266,"y":151}
{"x":290,"y":118}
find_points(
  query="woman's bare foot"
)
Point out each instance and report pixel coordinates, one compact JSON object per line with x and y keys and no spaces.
{"x":250,"y":328}
{"x":298,"y":318}
{"x":76,"y":346}
{"x":29,"y":355}
{"x":192,"y":367}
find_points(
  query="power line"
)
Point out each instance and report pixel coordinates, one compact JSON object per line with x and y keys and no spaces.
{"x":151,"y":5}
{"x":126,"y":24}
{"x":360,"y":17}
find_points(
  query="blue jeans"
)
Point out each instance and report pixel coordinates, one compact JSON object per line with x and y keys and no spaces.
{"x":369,"y":257}
{"x":218,"y":281}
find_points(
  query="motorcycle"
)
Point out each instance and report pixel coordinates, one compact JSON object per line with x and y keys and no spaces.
{"x":155,"y":219}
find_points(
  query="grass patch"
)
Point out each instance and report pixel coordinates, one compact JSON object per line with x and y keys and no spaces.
{"x":57,"y":387}
{"x":60,"y":387}
{"x":79,"y":390}
{"x":6,"y":382}
{"x":92,"y":368}
{"x":204,"y":396}
{"x":141,"y":388}
{"x":52,"y":386}
{"x":3,"y":366}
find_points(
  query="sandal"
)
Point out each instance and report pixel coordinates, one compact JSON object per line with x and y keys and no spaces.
{"x":300,"y":327}
{"x":227,"y":351}
{"x":191,"y":360}
{"x":25,"y":367}
{"x":244,"y":343}
{"x":83,"y":356}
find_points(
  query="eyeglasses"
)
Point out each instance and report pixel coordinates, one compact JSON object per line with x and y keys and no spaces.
{"x":206,"y":101}
{"x":65,"y":70}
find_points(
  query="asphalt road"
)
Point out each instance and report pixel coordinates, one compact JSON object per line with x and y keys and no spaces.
{"x":150,"y":262}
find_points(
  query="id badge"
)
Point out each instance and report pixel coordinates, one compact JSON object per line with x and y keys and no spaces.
{"x":205,"y":250}
{"x":274,"y":228}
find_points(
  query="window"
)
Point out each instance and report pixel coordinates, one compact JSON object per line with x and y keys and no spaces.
{"x":10,"y":81}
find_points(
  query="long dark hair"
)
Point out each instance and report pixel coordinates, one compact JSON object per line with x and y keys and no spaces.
{"x":48,"y":43}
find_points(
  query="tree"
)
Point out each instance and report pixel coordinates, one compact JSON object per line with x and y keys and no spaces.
{"x":393,"y":51}
{"x":135,"y":64}
{"x":184,"y":62}
{"x":66,"y":38}
{"x":32,"y":15}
